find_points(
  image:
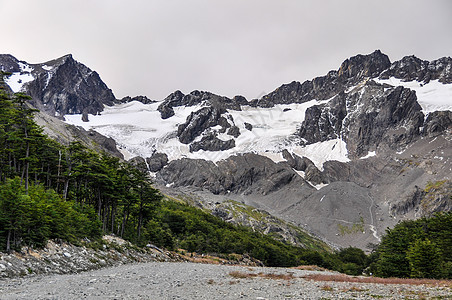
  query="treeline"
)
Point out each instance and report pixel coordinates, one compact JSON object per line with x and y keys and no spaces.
{"x":420,"y":249}
{"x":178,"y":225}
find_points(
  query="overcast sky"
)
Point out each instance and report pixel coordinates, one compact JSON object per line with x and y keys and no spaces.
{"x":229,"y":47}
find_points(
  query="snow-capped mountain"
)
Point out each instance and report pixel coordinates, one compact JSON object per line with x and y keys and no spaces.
{"x":344,"y":155}
{"x":58,"y":87}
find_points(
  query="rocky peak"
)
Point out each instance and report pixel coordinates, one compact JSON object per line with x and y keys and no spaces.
{"x":360,"y":66}
{"x":142,"y":99}
{"x":351,"y":72}
{"x":412,"y":68}
{"x":61,"y":86}
{"x":9,"y":63}
{"x":197,"y":97}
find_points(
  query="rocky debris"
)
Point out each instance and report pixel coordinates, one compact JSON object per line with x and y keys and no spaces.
{"x":412,"y":68}
{"x":142,"y":99}
{"x":210,"y":142}
{"x":247,"y":173}
{"x":63,"y":258}
{"x":157,"y":161}
{"x":182,"y":280}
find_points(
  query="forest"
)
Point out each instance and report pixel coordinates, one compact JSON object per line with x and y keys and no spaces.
{"x":70,"y":193}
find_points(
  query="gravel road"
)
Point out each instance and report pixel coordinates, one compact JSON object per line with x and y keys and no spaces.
{"x":160,"y":280}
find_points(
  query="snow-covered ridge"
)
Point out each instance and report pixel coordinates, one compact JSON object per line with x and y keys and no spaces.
{"x":139,"y":131}
{"x":432,"y":96}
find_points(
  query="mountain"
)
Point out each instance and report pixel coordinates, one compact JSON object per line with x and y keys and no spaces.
{"x":345,"y":155}
{"x":58,"y":87}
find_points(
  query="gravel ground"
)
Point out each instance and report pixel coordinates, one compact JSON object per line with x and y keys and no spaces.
{"x":161,"y":280}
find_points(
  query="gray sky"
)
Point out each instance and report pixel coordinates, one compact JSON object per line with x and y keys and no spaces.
{"x":228,"y":47}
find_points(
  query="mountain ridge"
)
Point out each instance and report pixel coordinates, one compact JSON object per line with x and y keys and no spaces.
{"x":356,"y":147}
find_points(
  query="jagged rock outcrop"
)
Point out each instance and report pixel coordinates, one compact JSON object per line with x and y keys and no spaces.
{"x":366,"y":118}
{"x":412,"y":68}
{"x":142,"y":99}
{"x":210,"y":142}
{"x":197,"y":97}
{"x":198,"y":122}
{"x":350,"y":73}
{"x":437,"y":122}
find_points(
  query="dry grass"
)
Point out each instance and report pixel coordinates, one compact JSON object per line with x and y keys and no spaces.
{"x":310,"y":268}
{"x":327,"y":288}
{"x":242,"y":275}
{"x":354,"y":289}
{"x":346,"y":278}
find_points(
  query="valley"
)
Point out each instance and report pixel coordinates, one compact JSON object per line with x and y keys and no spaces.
{"x":343,"y":156}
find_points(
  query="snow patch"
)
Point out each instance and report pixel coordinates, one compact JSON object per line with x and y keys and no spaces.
{"x":432,"y":96}
{"x":322,"y":152}
{"x":16,"y":80}
{"x":369,"y":154}
{"x":46,"y":67}
{"x":139,"y":130}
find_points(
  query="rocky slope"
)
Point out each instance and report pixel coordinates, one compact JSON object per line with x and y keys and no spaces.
{"x":344,"y":155}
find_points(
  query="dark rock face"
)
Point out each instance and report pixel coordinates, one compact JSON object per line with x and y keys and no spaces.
{"x":9,"y":63}
{"x":234,"y":131}
{"x":361,"y":66}
{"x":142,"y":99}
{"x":196,"y":97}
{"x":64,"y":86}
{"x":296,"y":162}
{"x":366,"y":118}
{"x":412,"y":68}
{"x":437,"y":122}
{"x":157,"y":161}
{"x":394,"y":120}
{"x":324,"y":122}
{"x":197,"y":122}
{"x":350,"y":73}
{"x":211,"y":143}
{"x":247,"y":173}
